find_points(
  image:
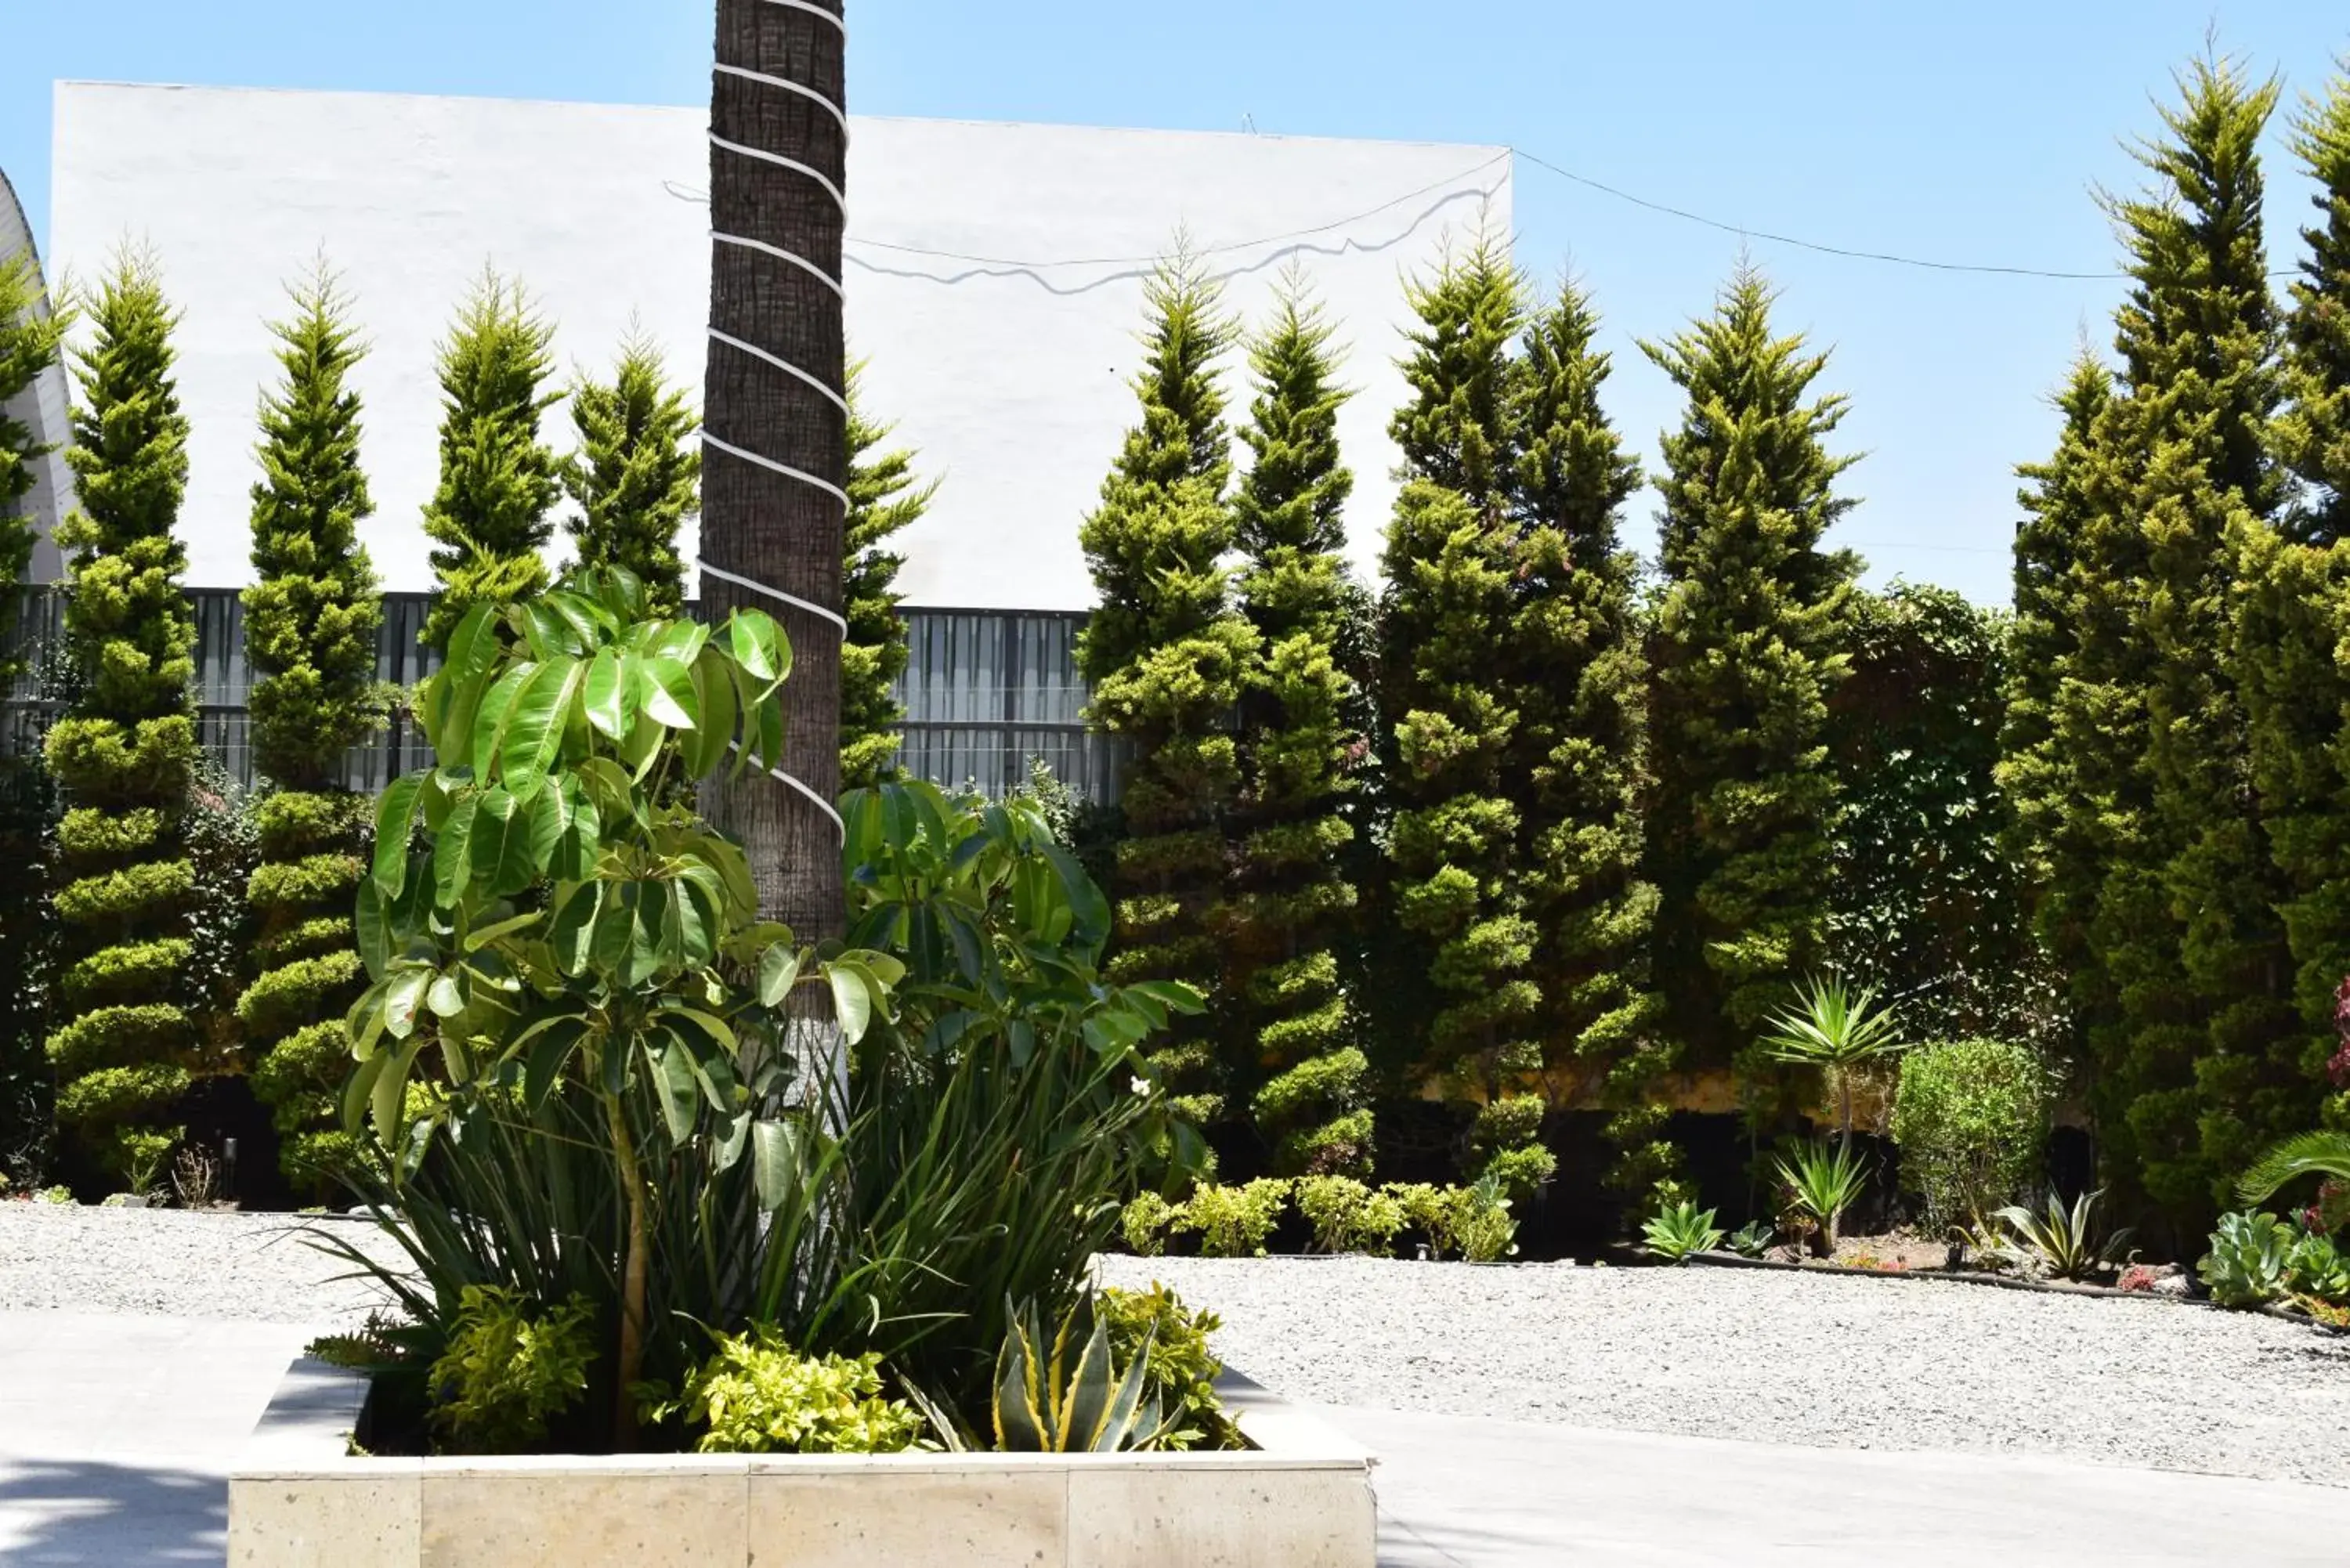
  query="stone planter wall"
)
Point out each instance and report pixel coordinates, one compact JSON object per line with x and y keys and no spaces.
{"x":1302,"y":1499}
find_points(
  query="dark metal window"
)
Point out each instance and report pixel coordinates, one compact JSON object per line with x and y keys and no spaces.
{"x":986,"y":693}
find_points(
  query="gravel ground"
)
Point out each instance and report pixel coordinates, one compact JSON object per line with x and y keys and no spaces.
{"x":62,"y":1257}
{"x":1781,"y":1358}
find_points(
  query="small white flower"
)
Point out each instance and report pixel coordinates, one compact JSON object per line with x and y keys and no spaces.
{"x":1142,"y":1085}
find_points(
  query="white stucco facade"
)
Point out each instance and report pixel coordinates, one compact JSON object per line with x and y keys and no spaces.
{"x":40,"y":409}
{"x":994,"y":281}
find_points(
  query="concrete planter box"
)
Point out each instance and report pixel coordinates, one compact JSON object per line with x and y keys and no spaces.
{"x":1301,"y":1498}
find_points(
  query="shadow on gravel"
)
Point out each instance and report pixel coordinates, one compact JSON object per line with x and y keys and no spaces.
{"x":91,"y":1513}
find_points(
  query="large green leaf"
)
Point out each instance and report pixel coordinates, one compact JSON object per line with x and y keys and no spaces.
{"x":395,"y":817}
{"x":779,"y":970}
{"x":490,"y":723}
{"x":775,"y":1158}
{"x":534,"y":734}
{"x":674,"y":1077}
{"x":667,"y":689}
{"x":759,"y":646}
{"x":501,"y":844}
{"x":369,"y":922}
{"x":452,"y":850}
{"x":606,"y":691}
{"x":852,"y":1002}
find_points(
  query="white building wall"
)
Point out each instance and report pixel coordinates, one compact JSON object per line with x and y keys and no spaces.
{"x":40,"y":409}
{"x":994,"y":281}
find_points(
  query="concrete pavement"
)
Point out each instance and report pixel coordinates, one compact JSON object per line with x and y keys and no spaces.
{"x":117,"y":1433}
{"x":1459,"y":1492}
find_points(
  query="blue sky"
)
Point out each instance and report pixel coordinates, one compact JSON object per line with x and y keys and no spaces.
{"x":1965,"y":133}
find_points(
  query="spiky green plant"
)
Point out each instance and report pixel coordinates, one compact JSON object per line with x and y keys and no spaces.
{"x":2065,"y":1242}
{"x":1679,"y":1231}
{"x":311,"y":619}
{"x":1837,"y":1030}
{"x":1065,"y":1393}
{"x":1820,"y":1183}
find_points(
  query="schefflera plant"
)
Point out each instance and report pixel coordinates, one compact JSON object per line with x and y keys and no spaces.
{"x":568,"y":927}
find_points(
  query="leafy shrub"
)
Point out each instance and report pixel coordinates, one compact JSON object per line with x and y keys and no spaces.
{"x":1820,"y":1183}
{"x":1678,"y":1230}
{"x":2063,"y":1242}
{"x":1349,"y":1216}
{"x":1480,"y":1224}
{"x":1970,"y":1118}
{"x":1234,"y":1222}
{"x":1065,"y":1393}
{"x":508,"y":1370}
{"x":1180,"y":1367}
{"x":2249,"y":1262}
{"x":755,"y":1395}
{"x":1143,"y":1224}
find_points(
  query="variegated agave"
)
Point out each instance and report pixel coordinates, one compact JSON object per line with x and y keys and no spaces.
{"x":1064,"y":1394}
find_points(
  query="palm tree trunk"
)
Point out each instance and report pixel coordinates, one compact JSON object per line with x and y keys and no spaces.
{"x":778,"y":172}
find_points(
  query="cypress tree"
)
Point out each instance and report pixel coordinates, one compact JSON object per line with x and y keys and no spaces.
{"x":2291,"y":618}
{"x":636,"y":475}
{"x":2185,"y":918}
{"x":1456,"y":883}
{"x":1747,"y":650}
{"x":497,"y":479}
{"x":1578,"y":754}
{"x":29,"y":335}
{"x":1291,"y":895}
{"x":1168,"y":655}
{"x":125,"y":747}
{"x":2038,"y":763}
{"x":884,"y":499}
{"x":311,"y":619}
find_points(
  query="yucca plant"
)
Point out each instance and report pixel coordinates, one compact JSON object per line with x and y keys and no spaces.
{"x":1065,"y":1395}
{"x":1838,"y":1030}
{"x":1679,"y":1229}
{"x":1821,"y":1183}
{"x":2064,"y":1241}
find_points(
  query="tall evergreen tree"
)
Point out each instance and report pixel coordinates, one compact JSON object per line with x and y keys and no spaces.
{"x":1168,"y":655}
{"x":1747,"y":650}
{"x":636,"y":475}
{"x":29,"y":336}
{"x":2291,"y":613}
{"x":2037,"y":763}
{"x":1458,"y":883}
{"x":1578,"y":755}
{"x":1291,"y":895}
{"x":2185,"y":920}
{"x":311,"y":619}
{"x":124,"y":750}
{"x":488,"y":515}
{"x":884,"y":499}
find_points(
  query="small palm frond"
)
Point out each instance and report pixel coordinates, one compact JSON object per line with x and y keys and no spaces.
{"x":2310,"y":1154}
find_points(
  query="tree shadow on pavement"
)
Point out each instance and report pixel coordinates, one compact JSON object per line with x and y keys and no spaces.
{"x":95,"y":1513}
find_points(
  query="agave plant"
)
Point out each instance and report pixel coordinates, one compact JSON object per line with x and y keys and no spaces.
{"x":2251,"y":1261}
{"x":2065,"y":1242}
{"x":1058,"y":1395}
{"x":1837,"y":1029}
{"x":1678,"y":1230}
{"x":1752,"y":1238}
{"x":1821,"y":1183}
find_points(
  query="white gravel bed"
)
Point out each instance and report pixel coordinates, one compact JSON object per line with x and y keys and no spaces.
{"x":1782,"y":1357}
{"x":171,"y":1263}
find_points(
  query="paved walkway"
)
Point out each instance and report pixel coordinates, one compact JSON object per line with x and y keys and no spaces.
{"x":1458,"y":1492}
{"x":117,"y":1433}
